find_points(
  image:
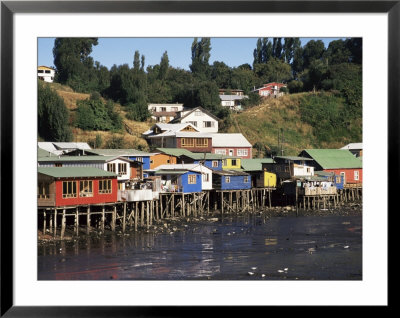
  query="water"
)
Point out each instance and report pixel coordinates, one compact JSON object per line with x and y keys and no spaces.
{"x":237,"y":248}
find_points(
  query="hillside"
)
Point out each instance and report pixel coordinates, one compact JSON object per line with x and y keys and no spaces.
{"x":129,"y":136}
{"x":306,"y":120}
{"x":303,"y":120}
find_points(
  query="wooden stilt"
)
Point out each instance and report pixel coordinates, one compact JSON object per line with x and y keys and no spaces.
{"x":63,"y":224}
{"x":147,"y":215}
{"x":124,"y":219}
{"x":142,"y":214}
{"x":136,"y":215}
{"x":44,"y":222}
{"x":55,"y":222}
{"x":103,"y":219}
{"x":88,"y":220}
{"x":114,"y":218}
{"x":77,"y":221}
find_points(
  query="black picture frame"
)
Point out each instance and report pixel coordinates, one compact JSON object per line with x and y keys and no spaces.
{"x":9,"y":8}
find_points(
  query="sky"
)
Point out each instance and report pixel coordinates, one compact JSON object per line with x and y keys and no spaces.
{"x":109,"y":51}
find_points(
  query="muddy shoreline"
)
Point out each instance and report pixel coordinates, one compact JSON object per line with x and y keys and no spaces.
{"x":171,"y":225}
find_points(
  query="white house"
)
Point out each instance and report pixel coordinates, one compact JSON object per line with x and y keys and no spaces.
{"x":200,"y":118}
{"x":231,"y":145}
{"x":164,"y":113}
{"x":46,"y":74}
{"x":232,"y":101}
{"x":355,"y":148}
{"x":205,"y":172}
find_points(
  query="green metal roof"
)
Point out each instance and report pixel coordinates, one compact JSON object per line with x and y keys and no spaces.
{"x":293,"y":158}
{"x":43,"y":153}
{"x":254,"y":164}
{"x":75,"y":172}
{"x":334,"y":158}
{"x":175,"y":151}
{"x":208,"y":156}
{"x":117,"y":152}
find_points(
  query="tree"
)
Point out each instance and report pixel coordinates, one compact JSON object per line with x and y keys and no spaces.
{"x":74,"y":65}
{"x":312,"y":51}
{"x":200,"y":57}
{"x":274,"y":70}
{"x":221,"y":74}
{"x":53,"y":116}
{"x":337,"y":53}
{"x":164,"y":65}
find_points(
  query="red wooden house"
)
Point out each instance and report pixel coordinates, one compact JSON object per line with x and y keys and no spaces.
{"x":61,"y":186}
{"x":341,"y":162}
{"x":270,"y":90}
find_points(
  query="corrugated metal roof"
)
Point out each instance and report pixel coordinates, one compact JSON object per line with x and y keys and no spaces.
{"x":229,"y":140}
{"x":334,"y":158}
{"x":254,"y":164}
{"x":75,"y":172}
{"x":97,"y":158}
{"x":293,"y":158}
{"x":169,"y":172}
{"x":43,"y":153}
{"x":119,"y":152}
{"x":230,"y":173}
{"x":71,"y":145}
{"x":202,"y":156}
{"x":232,"y":97}
{"x":352,"y":146}
{"x":175,"y":151}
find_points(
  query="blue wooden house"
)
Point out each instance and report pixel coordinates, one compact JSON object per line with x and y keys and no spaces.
{"x":337,"y":180}
{"x":231,"y":180}
{"x":184,"y":181}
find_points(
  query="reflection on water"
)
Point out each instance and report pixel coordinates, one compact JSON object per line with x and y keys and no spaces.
{"x":308,"y":247}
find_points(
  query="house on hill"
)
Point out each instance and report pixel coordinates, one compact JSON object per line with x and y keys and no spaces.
{"x":46,"y":73}
{"x":185,"y":136}
{"x":231,"y":145}
{"x":200,"y":118}
{"x":270,"y":90}
{"x":164,"y":113}
{"x":355,"y":148}
{"x":339,"y":161}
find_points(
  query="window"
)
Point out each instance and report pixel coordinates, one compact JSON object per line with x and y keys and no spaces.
{"x":233,"y":162}
{"x":58,"y":164}
{"x":140,"y":159}
{"x":338,"y":180}
{"x":163,"y":109}
{"x":192,"y":179}
{"x":308,"y":170}
{"x":69,"y":189}
{"x":187,"y":142}
{"x":242,"y":152}
{"x":201,"y":142}
{"x":86,"y":188}
{"x":356,"y":175}
{"x":227,"y":179}
{"x":47,"y":72}
{"x":198,"y":113}
{"x":246,"y":179}
{"x":220,"y":151}
{"x":40,"y":71}
{"x":206,"y":177}
{"x":43,"y":190}
{"x":194,"y":123}
{"x":111,"y":167}
{"x":174,"y":109}
{"x":121,"y":169}
{"x":208,"y":124}
{"x":105,"y":186}
{"x":214,"y":164}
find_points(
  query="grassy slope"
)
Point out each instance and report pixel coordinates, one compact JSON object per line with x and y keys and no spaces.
{"x":262,"y":123}
{"x":132,"y":140}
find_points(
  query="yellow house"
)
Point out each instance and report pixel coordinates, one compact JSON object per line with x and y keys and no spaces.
{"x":268,"y":179}
{"x":229,"y":163}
